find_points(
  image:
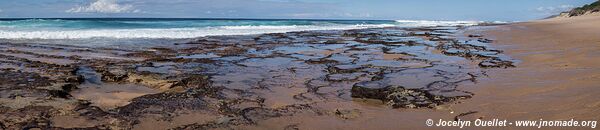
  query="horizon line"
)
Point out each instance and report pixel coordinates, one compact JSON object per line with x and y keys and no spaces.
{"x":225,"y":18}
{"x":192,"y":18}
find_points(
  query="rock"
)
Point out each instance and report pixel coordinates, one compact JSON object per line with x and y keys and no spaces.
{"x":59,"y":93}
{"x":320,"y":61}
{"x":409,"y":98}
{"x":485,"y":40}
{"x":347,"y":114}
{"x":371,"y":90}
{"x":454,"y":52}
{"x":152,"y":80}
{"x":495,"y":63}
{"x":113,"y":74}
{"x":334,"y":42}
{"x":397,"y":96}
{"x":475,"y":35}
{"x":465,"y":116}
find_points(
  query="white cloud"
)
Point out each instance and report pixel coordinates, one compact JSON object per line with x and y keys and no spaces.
{"x":104,"y":6}
{"x":0,"y":10}
{"x":554,"y":10}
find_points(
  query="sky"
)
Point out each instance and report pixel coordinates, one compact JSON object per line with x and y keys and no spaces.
{"x":480,"y":10}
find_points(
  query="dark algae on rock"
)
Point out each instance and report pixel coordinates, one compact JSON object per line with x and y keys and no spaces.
{"x":229,"y":82}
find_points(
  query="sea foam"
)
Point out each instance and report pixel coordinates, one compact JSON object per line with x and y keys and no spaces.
{"x":168,"y":32}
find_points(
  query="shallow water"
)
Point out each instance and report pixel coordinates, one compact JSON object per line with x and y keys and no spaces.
{"x":107,"y":95}
{"x":110,"y":95}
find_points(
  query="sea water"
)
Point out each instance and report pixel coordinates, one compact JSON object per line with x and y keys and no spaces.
{"x":157,"y":30}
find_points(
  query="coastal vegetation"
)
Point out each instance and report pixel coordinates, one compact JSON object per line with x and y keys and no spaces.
{"x":586,"y":9}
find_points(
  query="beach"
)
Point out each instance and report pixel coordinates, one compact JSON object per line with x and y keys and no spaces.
{"x":361,"y":77}
{"x":557,"y":76}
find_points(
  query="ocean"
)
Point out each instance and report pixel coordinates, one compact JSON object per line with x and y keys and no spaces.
{"x":127,"y":30}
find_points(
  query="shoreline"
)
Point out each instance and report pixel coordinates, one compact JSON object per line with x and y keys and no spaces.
{"x":375,"y":78}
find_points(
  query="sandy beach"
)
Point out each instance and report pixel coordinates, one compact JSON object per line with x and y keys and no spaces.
{"x":556,"y":79}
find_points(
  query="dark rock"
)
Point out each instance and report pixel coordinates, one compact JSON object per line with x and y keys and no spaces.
{"x":397,"y":96}
{"x":496,"y":63}
{"x":485,"y":40}
{"x":371,"y":89}
{"x":59,"y":94}
{"x":334,"y":42}
{"x":475,"y":35}
{"x":345,"y":68}
{"x":347,"y":114}
{"x":114,"y":76}
{"x":162,"y":103}
{"x":320,"y":61}
{"x":459,"y":116}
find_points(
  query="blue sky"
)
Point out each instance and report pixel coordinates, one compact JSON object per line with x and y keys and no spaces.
{"x":488,"y":10}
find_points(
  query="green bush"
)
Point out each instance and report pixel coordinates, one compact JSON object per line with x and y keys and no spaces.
{"x":593,"y":7}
